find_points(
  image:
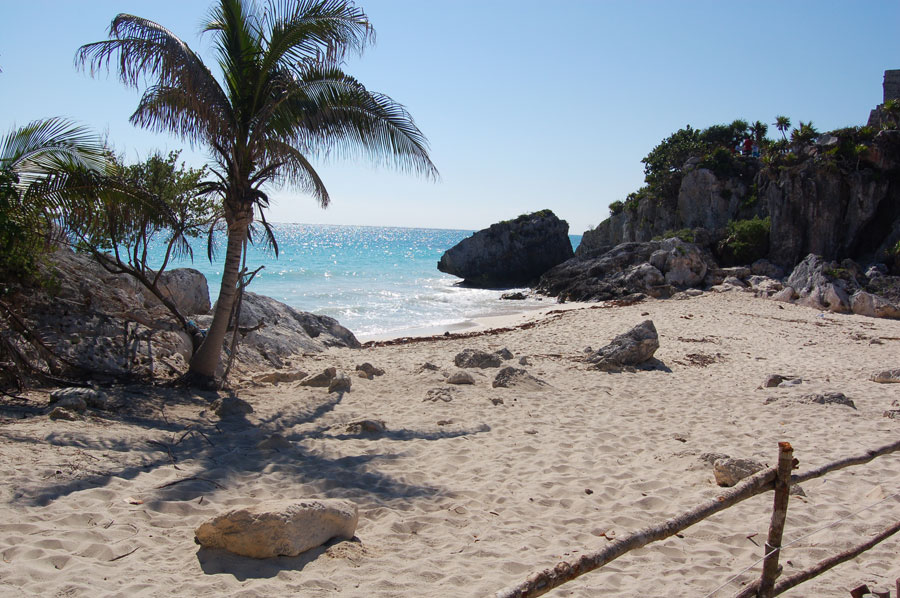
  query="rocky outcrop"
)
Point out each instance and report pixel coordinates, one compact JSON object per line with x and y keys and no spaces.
{"x":655,"y":268}
{"x":840,"y":287}
{"x":271,"y":332}
{"x":476,"y":358}
{"x":629,"y":349}
{"x":102,"y":322}
{"x":705,"y":203}
{"x":279,"y":528}
{"x":188,"y":290}
{"x":511,"y":253}
{"x":815,"y":203}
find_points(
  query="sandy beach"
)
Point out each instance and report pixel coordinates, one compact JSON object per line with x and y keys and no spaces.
{"x":471,"y":488}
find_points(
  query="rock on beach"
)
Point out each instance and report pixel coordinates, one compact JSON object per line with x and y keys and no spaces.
{"x":279,"y":528}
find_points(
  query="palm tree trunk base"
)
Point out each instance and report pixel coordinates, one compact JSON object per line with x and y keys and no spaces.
{"x":194,"y":380}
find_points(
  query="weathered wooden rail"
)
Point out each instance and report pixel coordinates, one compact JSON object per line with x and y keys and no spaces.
{"x":777,"y":478}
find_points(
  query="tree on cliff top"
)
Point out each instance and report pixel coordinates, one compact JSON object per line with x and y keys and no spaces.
{"x":281,"y":99}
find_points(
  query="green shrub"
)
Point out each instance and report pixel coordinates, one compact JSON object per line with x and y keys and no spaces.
{"x":721,"y":162}
{"x":21,"y":238}
{"x":746,"y":241}
{"x":616,"y":207}
{"x":685,"y":234}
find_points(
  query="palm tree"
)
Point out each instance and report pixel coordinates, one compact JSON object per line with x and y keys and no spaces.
{"x":281,"y":99}
{"x":804,"y":133}
{"x":782,"y":123}
{"x":40,"y":164}
{"x":759,"y":130}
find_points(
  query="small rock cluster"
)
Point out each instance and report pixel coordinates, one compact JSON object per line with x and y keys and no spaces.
{"x":70,"y":403}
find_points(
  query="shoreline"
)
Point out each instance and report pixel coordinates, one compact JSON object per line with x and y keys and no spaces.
{"x":480,"y":323}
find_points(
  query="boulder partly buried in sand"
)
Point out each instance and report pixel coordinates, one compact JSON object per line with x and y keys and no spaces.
{"x":476,"y":358}
{"x":510,"y":377}
{"x":887,"y":376}
{"x":231,"y":407}
{"x":279,"y":528}
{"x":632,"y":348}
{"x":730,"y":471}
{"x":460,"y":377}
{"x":321,"y":380}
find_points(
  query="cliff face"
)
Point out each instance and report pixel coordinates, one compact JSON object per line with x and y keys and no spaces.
{"x":511,"y":253}
{"x":705,"y":200}
{"x":816,"y":206}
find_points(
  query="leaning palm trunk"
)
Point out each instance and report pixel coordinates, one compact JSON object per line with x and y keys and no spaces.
{"x":205,"y":361}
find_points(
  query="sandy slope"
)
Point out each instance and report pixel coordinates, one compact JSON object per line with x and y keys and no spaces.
{"x":466,"y":496}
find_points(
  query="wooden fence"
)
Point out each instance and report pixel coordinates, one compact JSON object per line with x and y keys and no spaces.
{"x":777,"y":478}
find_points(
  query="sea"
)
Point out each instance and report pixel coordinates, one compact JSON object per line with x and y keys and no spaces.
{"x":379,"y":282}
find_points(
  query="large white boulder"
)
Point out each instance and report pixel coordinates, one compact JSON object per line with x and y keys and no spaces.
{"x":279,"y":528}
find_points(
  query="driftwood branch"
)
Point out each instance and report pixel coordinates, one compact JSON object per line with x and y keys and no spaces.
{"x":544,"y":581}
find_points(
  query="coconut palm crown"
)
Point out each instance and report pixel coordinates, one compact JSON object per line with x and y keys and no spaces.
{"x":281,"y":100}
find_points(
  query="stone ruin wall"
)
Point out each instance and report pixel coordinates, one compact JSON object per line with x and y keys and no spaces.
{"x":891,"y":85}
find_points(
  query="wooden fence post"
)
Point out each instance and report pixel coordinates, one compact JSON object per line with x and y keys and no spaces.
{"x":779,"y":514}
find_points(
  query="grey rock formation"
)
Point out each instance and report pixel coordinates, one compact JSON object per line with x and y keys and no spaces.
{"x":867,"y":304}
{"x":511,"y":253}
{"x":829,"y":398}
{"x":629,"y":349}
{"x":816,"y":285}
{"x":476,"y":358}
{"x":279,"y":528}
{"x":655,"y":268}
{"x":271,"y":332}
{"x":108,"y":323}
{"x":188,"y":290}
{"x":814,"y":207}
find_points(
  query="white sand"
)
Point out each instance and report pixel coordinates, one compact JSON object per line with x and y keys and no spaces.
{"x":465,"y":497}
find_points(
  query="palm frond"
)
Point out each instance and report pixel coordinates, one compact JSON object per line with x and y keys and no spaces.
{"x":43,"y":147}
{"x":288,"y":165}
{"x":144,"y":50}
{"x":341,"y":118}
{"x":297,"y":32}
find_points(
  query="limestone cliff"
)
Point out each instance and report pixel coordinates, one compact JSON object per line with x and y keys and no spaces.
{"x":817,"y":199}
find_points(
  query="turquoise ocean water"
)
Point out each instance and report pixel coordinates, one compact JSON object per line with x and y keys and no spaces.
{"x":376,"y":281}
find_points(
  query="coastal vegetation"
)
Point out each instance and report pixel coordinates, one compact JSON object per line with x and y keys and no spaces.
{"x":41,"y":165}
{"x":746,"y":241}
{"x":282,"y":99}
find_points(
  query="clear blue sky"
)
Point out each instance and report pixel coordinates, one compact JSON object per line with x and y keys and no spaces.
{"x":527,"y":105}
